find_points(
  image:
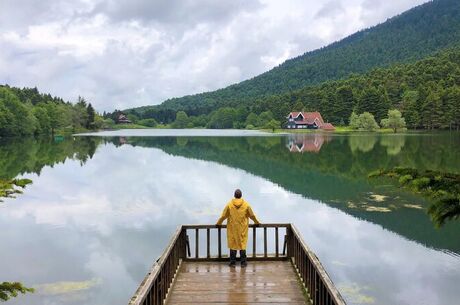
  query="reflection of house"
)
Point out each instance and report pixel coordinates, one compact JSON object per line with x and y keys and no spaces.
{"x":301,"y":143}
{"x":122,"y":119}
{"x":308,"y":120}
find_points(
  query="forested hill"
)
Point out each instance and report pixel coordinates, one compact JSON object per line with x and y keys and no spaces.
{"x":413,"y":35}
{"x":26,"y":111}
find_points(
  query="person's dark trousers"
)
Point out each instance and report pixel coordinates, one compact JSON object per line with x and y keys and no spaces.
{"x":244,"y":262}
{"x":232,"y":257}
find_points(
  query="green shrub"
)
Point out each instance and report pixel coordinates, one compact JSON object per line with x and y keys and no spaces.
{"x":421,"y":183}
{"x":405,"y":179}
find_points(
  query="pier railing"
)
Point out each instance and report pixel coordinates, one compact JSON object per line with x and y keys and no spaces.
{"x":266,"y":242}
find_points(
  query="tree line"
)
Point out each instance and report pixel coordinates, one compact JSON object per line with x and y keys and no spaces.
{"x":427,"y":93}
{"x":26,"y":112}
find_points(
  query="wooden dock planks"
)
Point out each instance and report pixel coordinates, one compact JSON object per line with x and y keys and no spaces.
{"x":262,"y":282}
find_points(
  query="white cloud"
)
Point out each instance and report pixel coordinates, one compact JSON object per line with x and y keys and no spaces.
{"x":121,"y":54}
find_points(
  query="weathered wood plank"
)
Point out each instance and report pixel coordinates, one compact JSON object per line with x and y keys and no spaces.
{"x":216,"y":283}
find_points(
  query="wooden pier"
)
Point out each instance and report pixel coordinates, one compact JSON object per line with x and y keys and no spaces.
{"x":281,"y":270}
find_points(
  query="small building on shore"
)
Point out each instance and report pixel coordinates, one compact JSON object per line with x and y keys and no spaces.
{"x":123,"y":119}
{"x":307,"y":120}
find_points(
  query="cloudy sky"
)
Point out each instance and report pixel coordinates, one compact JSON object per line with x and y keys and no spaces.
{"x":125,"y":53}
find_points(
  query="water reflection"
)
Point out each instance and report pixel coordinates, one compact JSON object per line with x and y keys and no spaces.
{"x":99,"y":213}
{"x":300,"y":143}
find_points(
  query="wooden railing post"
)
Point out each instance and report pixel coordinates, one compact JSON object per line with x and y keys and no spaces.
{"x":219,"y":234}
{"x":289,"y":241}
{"x":197,"y":243}
{"x":265,"y":241}
{"x":187,"y":242}
{"x":208,"y":243}
{"x":254,"y":240}
{"x":276,"y":243}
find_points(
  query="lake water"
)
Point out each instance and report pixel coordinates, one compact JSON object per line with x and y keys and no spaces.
{"x":101,"y":209}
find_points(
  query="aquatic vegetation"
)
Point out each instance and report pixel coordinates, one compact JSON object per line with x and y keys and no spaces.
{"x":413,"y":206}
{"x":10,"y":290}
{"x":355,"y":293}
{"x":67,"y":286}
{"x":8,"y":188}
{"x":443,"y":188}
{"x":378,"y":198}
{"x":377,"y":209}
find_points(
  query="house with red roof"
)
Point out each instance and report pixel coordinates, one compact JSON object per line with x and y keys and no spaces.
{"x":123,"y":119}
{"x":307,"y":120}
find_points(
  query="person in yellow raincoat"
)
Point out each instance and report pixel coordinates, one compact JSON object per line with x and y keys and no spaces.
{"x":237,"y":212}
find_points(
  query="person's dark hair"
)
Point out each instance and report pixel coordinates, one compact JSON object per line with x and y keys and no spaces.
{"x":238,"y":194}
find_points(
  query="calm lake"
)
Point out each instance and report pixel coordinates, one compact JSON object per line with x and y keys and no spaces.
{"x":102,"y":208}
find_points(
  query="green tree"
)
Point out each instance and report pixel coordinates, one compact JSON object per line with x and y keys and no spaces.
{"x":394,"y":121}
{"x":367,"y":122}
{"x":265,"y":117}
{"x":354,"y":121}
{"x":6,"y":119}
{"x":148,"y":122}
{"x":272,"y":124}
{"x":374,"y":101}
{"x":432,"y":112}
{"x":241,"y":115}
{"x":133,"y":118}
{"x":43,"y":119}
{"x":298,"y":106}
{"x":108,"y":123}
{"x":253,"y":120}
{"x":223,"y":118}
{"x":452,"y":107}
{"x":12,"y":289}
{"x":410,"y":108}
{"x":181,"y":120}
{"x":344,"y":103}
{"x":91,"y":116}
{"x":54,"y":115}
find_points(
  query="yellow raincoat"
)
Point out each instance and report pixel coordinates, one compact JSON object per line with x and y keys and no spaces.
{"x":237,"y":211}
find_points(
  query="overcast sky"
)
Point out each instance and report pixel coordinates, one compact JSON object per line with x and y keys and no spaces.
{"x":126,"y":53}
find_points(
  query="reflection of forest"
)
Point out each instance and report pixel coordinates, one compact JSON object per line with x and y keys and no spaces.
{"x":337,"y":175}
{"x":29,"y":155}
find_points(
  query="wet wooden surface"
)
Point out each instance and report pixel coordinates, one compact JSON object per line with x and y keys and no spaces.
{"x":262,"y":282}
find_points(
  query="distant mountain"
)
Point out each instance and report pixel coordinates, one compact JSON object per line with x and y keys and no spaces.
{"x":408,"y":37}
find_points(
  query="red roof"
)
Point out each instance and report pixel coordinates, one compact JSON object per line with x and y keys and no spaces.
{"x":328,"y":126}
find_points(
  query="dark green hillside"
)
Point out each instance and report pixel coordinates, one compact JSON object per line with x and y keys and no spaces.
{"x":427,"y":93}
{"x":413,"y":35}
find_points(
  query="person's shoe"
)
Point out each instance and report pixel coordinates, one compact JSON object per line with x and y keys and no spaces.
{"x":244,"y":264}
{"x":232,"y":264}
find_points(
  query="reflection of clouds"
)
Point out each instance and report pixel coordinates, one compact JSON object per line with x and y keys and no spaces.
{"x":112,"y":217}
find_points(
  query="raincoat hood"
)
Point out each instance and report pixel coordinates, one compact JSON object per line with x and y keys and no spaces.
{"x":237,"y":202}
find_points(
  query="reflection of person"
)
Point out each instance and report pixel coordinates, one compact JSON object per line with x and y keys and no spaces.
{"x":237,"y":212}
